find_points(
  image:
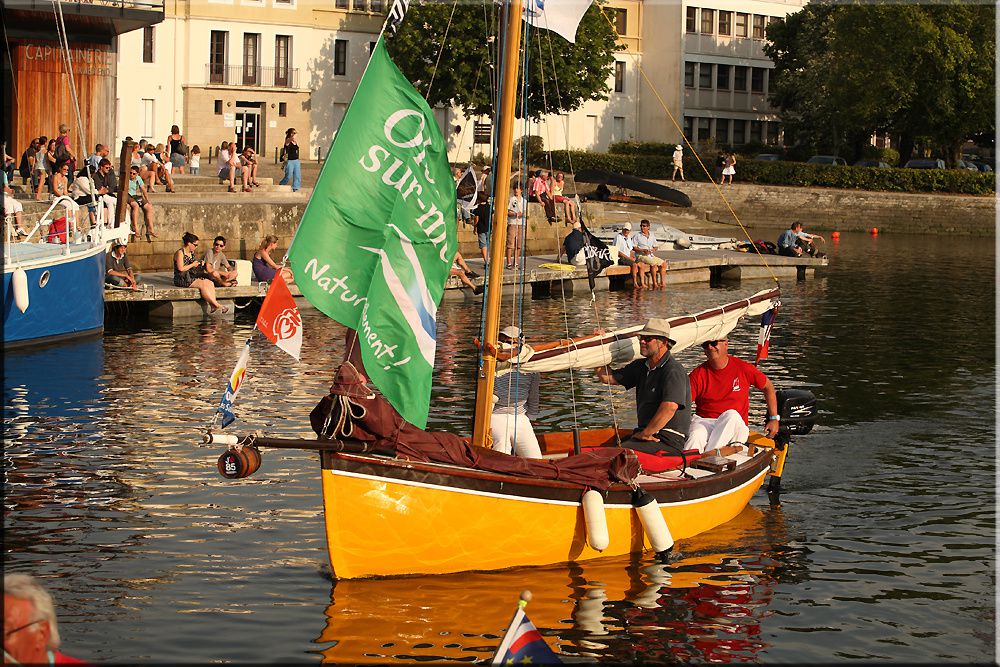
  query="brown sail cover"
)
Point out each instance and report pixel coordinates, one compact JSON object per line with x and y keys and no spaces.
{"x":370,"y":418}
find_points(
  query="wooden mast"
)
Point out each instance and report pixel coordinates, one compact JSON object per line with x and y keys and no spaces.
{"x":498,"y":241}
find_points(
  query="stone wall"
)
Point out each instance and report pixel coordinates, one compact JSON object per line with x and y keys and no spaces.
{"x":244,"y":224}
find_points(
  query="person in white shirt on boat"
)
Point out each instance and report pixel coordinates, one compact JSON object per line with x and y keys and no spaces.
{"x":516,"y":396}
{"x":626,"y":254}
{"x":645,"y":245}
{"x":720,"y":390}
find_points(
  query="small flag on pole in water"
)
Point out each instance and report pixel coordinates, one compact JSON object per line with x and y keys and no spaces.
{"x":522,"y":644}
{"x":235,"y":381}
{"x":764,"y":338}
{"x":279,"y":319}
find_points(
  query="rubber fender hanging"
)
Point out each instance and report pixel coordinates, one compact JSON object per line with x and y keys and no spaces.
{"x":19,"y":283}
{"x":653,"y":523}
{"x":220,"y":439}
{"x":596,"y":520}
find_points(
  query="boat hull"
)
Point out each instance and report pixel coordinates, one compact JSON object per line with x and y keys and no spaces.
{"x":386,"y":517}
{"x":66,"y":303}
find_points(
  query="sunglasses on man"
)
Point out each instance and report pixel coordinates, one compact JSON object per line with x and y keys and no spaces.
{"x":713,"y":343}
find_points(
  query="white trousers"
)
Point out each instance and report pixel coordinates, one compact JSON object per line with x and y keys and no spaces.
{"x":708,"y":434}
{"x":514,"y":432}
{"x":110,"y":203}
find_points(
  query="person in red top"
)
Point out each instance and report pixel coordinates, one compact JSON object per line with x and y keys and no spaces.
{"x":720,"y":390}
{"x":30,"y":631}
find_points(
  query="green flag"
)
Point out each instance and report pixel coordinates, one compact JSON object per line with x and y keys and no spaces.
{"x":376,"y":242}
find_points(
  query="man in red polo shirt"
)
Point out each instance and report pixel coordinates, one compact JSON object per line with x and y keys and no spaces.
{"x":720,"y":390}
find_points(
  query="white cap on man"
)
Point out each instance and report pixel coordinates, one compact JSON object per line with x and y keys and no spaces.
{"x":511,"y":332}
{"x":628,"y":226}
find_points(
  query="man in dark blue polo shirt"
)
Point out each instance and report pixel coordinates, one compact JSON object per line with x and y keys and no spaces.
{"x":662,"y":391}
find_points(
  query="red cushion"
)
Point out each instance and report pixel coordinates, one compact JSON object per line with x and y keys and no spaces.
{"x":662,"y":462}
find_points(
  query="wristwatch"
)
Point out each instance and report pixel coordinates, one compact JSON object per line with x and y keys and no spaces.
{"x":773,"y":418}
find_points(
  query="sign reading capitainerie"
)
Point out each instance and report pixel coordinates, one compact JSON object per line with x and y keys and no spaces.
{"x":47,"y":57}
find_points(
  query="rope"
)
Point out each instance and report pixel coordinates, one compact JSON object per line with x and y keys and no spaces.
{"x":690,"y":146}
{"x":444,"y":40}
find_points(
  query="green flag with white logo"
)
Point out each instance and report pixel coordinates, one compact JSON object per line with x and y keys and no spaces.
{"x":377,"y":239}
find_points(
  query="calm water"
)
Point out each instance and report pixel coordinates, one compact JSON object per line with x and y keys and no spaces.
{"x":882,"y":547}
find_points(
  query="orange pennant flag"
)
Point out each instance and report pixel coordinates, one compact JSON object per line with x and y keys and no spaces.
{"x":279,"y":318}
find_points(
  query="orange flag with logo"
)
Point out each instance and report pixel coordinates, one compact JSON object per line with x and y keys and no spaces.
{"x":279,"y":318}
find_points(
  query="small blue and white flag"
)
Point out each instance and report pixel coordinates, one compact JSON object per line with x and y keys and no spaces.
{"x":560,"y":16}
{"x":235,"y":382}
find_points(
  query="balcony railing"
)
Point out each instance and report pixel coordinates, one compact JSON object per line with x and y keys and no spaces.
{"x":257,"y":77}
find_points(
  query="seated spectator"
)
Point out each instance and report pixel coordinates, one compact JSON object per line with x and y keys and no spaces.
{"x":81,"y":192}
{"x":230,"y":164}
{"x":540,"y":192}
{"x":94,"y":159}
{"x":119,"y":270}
{"x":106,"y":183}
{"x":248,"y":165}
{"x":626,"y":255}
{"x":9,"y":166}
{"x":793,"y":242}
{"x":156,"y":170}
{"x":460,"y":269}
{"x":138,"y":198}
{"x":264,"y":268}
{"x":190,"y":272}
{"x":30,"y":629}
{"x":27,"y":164}
{"x":569,"y":206}
{"x":60,"y":180}
{"x":12,"y":208}
{"x":574,"y":243}
{"x":40,"y":175}
{"x":218,"y":268}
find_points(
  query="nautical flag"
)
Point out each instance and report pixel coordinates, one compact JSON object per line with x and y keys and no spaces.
{"x":396,"y":13}
{"x":235,"y":382}
{"x":523,"y":645}
{"x":279,"y":318}
{"x":596,"y":253}
{"x":764,"y":338}
{"x":376,"y":241}
{"x":560,"y":16}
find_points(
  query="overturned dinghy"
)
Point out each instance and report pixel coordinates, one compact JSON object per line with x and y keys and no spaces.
{"x":660,"y":194}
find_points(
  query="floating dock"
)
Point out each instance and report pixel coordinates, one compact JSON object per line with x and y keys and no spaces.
{"x":164,"y":301}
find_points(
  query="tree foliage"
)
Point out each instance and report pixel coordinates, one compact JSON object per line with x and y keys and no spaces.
{"x":923,"y":72}
{"x":464,"y":73}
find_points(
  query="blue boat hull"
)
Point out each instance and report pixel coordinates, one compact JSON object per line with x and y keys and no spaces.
{"x":70,"y":304}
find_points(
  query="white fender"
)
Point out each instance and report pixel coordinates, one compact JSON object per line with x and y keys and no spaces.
{"x":596,"y":520}
{"x":653,"y":522}
{"x":220,"y":439}
{"x":19,"y":281}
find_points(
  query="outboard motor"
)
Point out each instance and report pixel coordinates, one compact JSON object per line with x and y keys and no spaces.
{"x":797,"y":409}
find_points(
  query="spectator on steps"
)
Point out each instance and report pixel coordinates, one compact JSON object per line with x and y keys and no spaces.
{"x":138,"y":198}
{"x":174,"y":144}
{"x":248,"y":166}
{"x":190,"y":272}
{"x":41,"y":173}
{"x":12,"y":208}
{"x":60,"y":180}
{"x":119,"y":270}
{"x":290,"y":156}
{"x":218,"y":268}
{"x":264,"y":268}
{"x":106,"y":182}
{"x":194,"y":160}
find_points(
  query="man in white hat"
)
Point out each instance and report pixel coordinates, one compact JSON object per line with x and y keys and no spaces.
{"x":626,"y":254}
{"x":662,"y":392}
{"x":678,"y":162}
{"x":516,"y":395}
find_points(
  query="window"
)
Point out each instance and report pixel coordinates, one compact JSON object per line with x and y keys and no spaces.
{"x":147,"y":44}
{"x":758,"y":26}
{"x":722,"y":130}
{"x":282,"y":60}
{"x":755,"y":130}
{"x":340,"y":4}
{"x":757,"y":80}
{"x":704,"y":128}
{"x":689,"y":74}
{"x":722,"y":77}
{"x":621,"y":21}
{"x":251,"y":58}
{"x":282,"y":2}
{"x":688,"y":124}
{"x":691,"y":25}
{"x":741,"y":24}
{"x":705,"y":75}
{"x":282,"y":109}
{"x":619,"y":76}
{"x":218,"y":107}
{"x":375,"y":6}
{"x":217,"y":57}
{"x":707,"y":21}
{"x":772,"y":133}
{"x":360,"y":5}
{"x":740,"y":78}
{"x":725,"y":23}
{"x":148,"y":107}
{"x":739,"y":132}
{"x":340,"y":57}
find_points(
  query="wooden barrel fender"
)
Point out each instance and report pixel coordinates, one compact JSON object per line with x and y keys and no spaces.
{"x":239,"y":462}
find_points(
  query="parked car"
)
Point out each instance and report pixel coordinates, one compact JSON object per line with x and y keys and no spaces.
{"x":982,"y":166}
{"x":872,"y":163}
{"x":925,"y":163}
{"x":827,"y":159}
{"x":767,"y":157}
{"x":967,"y":164}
